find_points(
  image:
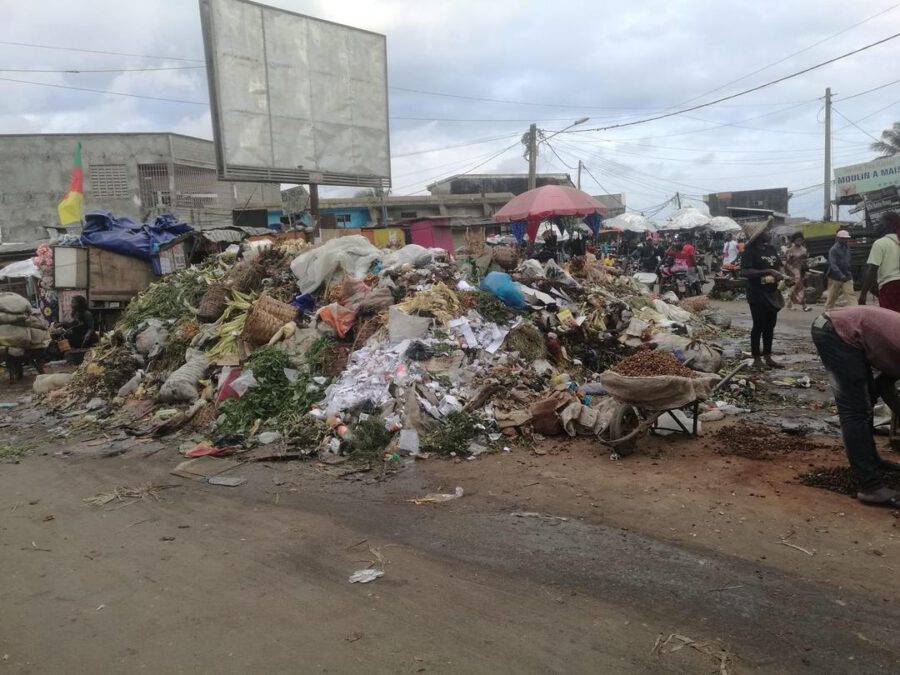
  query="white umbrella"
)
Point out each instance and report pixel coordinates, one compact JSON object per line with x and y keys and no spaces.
{"x":688,"y":218}
{"x":723,"y":224}
{"x":631,"y":222}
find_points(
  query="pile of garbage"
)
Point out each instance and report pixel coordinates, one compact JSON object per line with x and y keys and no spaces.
{"x":344,"y":350}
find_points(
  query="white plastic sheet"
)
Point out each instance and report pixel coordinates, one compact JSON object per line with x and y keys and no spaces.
{"x":353,"y":255}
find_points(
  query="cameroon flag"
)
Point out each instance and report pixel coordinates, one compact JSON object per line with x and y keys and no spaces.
{"x":71,"y":209}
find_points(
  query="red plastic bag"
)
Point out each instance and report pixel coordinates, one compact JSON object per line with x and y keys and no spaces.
{"x":338,"y":317}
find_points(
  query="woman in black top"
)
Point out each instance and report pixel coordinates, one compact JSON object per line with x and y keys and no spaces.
{"x":761,"y":267}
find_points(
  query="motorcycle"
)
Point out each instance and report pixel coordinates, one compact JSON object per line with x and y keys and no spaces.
{"x":675,"y":275}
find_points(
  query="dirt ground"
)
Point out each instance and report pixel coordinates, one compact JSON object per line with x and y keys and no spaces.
{"x":558,"y":562}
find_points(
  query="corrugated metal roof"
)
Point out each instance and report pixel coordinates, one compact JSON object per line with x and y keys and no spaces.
{"x":21,"y":247}
{"x":224,"y":236}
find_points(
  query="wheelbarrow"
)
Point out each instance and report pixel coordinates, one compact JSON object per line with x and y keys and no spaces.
{"x":630,"y":422}
{"x":642,"y":401}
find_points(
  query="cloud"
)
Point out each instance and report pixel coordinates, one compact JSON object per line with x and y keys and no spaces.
{"x":615,"y":63}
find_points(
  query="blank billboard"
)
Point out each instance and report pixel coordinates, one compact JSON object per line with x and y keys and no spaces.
{"x":295,"y":99}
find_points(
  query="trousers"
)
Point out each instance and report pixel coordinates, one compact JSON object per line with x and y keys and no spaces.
{"x":854,"y":392}
{"x":764,"y":319}
{"x":889,"y":296}
{"x":838,"y":289}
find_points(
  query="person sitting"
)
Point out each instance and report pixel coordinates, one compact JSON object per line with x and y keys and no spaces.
{"x":549,"y":249}
{"x":80,"y":331}
{"x":690,"y":254}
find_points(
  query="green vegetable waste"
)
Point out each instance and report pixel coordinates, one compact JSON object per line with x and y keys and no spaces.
{"x":275,"y":400}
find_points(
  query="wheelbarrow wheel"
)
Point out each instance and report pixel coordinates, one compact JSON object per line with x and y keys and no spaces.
{"x":625,"y":422}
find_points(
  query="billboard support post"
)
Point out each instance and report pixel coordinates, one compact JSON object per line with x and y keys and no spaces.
{"x":314,"y":207}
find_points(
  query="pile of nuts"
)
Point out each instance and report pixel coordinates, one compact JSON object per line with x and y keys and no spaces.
{"x":840,"y":479}
{"x":648,"y":363}
{"x":755,"y":441}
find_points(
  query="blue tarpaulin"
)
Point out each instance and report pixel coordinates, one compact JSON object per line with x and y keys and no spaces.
{"x":519,"y":228}
{"x":126,"y":237}
{"x":594,"y":221}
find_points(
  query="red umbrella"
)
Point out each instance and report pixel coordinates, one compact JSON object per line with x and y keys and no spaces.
{"x":548,"y":202}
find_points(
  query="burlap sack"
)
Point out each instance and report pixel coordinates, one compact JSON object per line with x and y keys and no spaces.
{"x":658,"y":392}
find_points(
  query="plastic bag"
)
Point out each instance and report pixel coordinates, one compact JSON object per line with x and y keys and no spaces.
{"x":411,"y":254}
{"x":13,"y":303}
{"x":402,"y":326}
{"x":132,"y":385}
{"x":338,"y":317}
{"x":181,"y":386}
{"x":353,"y":255}
{"x":671,"y":312}
{"x":44,"y":384}
{"x":152,"y":338}
{"x":243,"y":382}
{"x":502,"y":285}
{"x":697,"y":355}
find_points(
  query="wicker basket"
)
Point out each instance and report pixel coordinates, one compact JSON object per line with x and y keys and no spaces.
{"x":213,"y":303}
{"x":265,"y":318}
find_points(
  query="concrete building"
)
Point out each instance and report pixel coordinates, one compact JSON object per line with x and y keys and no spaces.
{"x":749,"y":205}
{"x":474,"y":196}
{"x":614,"y":203}
{"x":138,"y":175}
{"x":483,"y":183}
{"x":359,"y":212}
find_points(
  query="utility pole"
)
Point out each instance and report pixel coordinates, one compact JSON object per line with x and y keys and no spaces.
{"x":827,"y":185}
{"x":532,"y":157}
{"x":579,"y":174}
{"x":678,"y":199}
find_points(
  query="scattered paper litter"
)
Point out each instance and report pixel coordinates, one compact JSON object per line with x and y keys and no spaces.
{"x":365,"y":576}
{"x":437,"y":497}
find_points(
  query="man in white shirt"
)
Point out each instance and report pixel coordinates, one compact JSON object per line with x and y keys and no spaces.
{"x":730,"y":251}
{"x":882,"y":272}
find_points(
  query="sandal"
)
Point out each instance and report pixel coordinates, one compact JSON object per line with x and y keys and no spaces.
{"x":881,"y":497}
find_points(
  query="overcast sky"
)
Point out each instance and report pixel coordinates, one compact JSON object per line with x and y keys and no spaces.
{"x":612,"y":62}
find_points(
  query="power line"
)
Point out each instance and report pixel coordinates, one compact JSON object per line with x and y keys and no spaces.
{"x":103,"y":91}
{"x":469,"y":170}
{"x":790,"y":56}
{"x":98,"y":51}
{"x":741,"y":93}
{"x":458,"y":145}
{"x":855,"y":124}
{"x":80,"y":71}
{"x":469,"y":119}
{"x":867,"y":91}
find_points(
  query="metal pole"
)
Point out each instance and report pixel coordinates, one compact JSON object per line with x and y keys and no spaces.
{"x":579,"y":174}
{"x":678,"y":199}
{"x":827,"y":185}
{"x":532,"y":157}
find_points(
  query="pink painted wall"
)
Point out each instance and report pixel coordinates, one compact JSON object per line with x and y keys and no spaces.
{"x":432,"y":234}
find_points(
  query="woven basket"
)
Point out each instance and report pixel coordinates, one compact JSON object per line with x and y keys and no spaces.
{"x":213,"y":303}
{"x":265,"y":318}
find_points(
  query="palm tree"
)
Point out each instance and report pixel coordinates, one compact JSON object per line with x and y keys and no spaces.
{"x":890,"y":142}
